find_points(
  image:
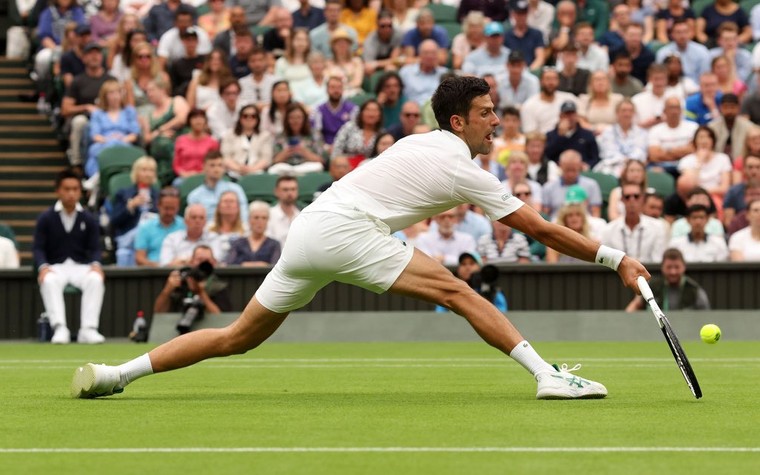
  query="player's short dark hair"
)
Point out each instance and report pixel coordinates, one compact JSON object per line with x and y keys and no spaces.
{"x":65,"y":174}
{"x":673,"y":254}
{"x":697,"y":208}
{"x":511,"y":110}
{"x":454,"y":97}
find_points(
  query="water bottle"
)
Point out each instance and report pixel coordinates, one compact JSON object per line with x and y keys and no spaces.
{"x":44,"y":330}
{"x":144,"y":191}
{"x":139,"y":333}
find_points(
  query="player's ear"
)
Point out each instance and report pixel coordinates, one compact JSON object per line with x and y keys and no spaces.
{"x":457,"y":123}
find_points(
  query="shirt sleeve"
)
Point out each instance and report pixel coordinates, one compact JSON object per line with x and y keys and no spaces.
{"x":703,"y":302}
{"x":477,"y":186}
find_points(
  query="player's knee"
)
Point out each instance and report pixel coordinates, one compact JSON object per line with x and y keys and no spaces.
{"x":456,"y":294}
{"x":235,"y":342}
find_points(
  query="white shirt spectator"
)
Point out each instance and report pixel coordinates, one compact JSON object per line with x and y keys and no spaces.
{"x":252,"y":92}
{"x":595,"y":59}
{"x":8,"y":254}
{"x":542,"y":18}
{"x":667,"y":138}
{"x":177,"y":246}
{"x":712,"y":249}
{"x":710,"y":172}
{"x":170,"y":46}
{"x":221,"y":119}
{"x":648,"y":105}
{"x":617,"y":146}
{"x":543,"y":116}
{"x":279,"y":223}
{"x":645,"y":242}
{"x":435,"y":245}
{"x":743,"y":241}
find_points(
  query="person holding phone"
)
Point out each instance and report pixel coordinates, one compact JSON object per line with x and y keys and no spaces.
{"x":296,"y":152}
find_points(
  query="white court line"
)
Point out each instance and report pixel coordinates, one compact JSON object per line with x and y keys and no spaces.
{"x":139,"y":450}
{"x":496,"y":360}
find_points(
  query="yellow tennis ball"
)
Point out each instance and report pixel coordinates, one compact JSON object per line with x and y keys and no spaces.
{"x":710,"y":333}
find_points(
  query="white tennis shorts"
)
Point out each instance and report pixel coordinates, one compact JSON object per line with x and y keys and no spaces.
{"x":348,"y":246}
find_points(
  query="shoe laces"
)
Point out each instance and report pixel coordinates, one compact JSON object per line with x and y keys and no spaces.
{"x":564,"y":368}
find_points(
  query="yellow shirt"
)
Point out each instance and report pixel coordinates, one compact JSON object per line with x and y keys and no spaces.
{"x":364,"y":22}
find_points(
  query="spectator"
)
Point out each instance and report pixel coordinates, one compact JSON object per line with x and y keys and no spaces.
{"x":358,"y":15}
{"x":256,"y":88}
{"x":161,"y":17}
{"x":71,"y":63}
{"x":313,"y":91}
{"x":622,"y":142}
{"x":730,"y":129}
{"x":471,"y":38}
{"x":121,"y":50}
{"x":66,"y":251}
{"x":510,"y":140}
{"x":292,"y":66}
{"x":79,"y":99}
{"x":673,"y":13}
{"x":426,"y":30}
{"x":111,"y":125}
{"x":339,"y":167}
{"x":726,"y":79}
{"x":545,"y":106}
{"x":177,"y":247}
{"x":212,"y":293}
{"x":247,"y":149}
{"x":223,"y":114}
{"x":227,"y":221}
{"x":504,"y":246}
{"x":104,"y":22}
{"x":734,"y":201}
{"x":641,"y":56}
{"x":517,"y":172}
{"x":131,"y":206}
{"x":226,"y":40}
{"x":541,"y":16}
{"x":562,"y":33}
{"x":182,"y":70}
{"x":633,"y":172}
{"x":203,"y":90}
{"x":170,"y":48}
{"x":713,"y":169}
{"x":321,"y":35}
{"x":598,"y":107}
{"x":739,"y":59}
{"x":577,"y":194}
{"x":256,"y":249}
{"x":622,"y":81}
{"x":597,"y":13}
{"x":243,"y":45}
{"x":445,"y":244}
{"x":496,"y":10}
{"x":384,"y":142}
{"x":572,"y":79}
{"x":357,"y":137}
{"x":274,"y":113}
{"x":698,"y":246}
{"x":169,"y":115}
{"x":191,"y":148}
{"x":469,"y":270}
{"x":216,"y":20}
{"x":654,"y":205}
{"x":740,"y":221}
{"x":50,"y":28}
{"x":307,"y":16}
{"x":591,"y":57}
{"x":296,"y":152}
{"x":674,"y":290}
{"x":675,"y":204}
{"x":745,"y":243}
{"x":751,"y":102}
{"x":493,"y":93}
{"x":716,"y":14}
{"x":678,"y":85}
{"x":703,"y":106}
{"x":698,"y":197}
{"x":284,"y":211}
{"x":329,"y":117}
{"x":650,"y":103}
{"x":491,"y":56}
{"x":572,"y":216}
{"x":638,"y":235}
{"x":210,"y":191}
{"x":540,"y":168}
{"x":260,"y":12}
{"x":523,"y":38}
{"x":672,"y":139}
{"x":612,"y":39}
{"x":8,"y":254}
{"x":382,"y":47}
{"x":570,"y":164}
{"x":694,"y":56}
{"x":344,"y":64}
{"x":390,"y":96}
{"x":151,"y":233}
{"x":519,"y":85}
{"x":410,"y":118}
{"x":570,"y":135}
{"x":468,"y":222}
{"x":144,"y":69}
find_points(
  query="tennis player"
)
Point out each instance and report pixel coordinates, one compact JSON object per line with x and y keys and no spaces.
{"x":345,"y":236}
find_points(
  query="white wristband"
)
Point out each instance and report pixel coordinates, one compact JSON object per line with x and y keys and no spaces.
{"x":609,"y":257}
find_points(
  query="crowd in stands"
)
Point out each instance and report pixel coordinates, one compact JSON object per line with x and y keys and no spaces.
{"x":635,"y":123}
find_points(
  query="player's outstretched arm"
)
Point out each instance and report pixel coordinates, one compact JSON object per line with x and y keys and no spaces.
{"x":569,"y":242}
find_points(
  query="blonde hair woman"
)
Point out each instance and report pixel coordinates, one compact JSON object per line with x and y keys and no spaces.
{"x":144,"y":69}
{"x":227,"y":222}
{"x":572,"y":216}
{"x":131,"y":206}
{"x":596,"y":110}
{"x":470,"y":38}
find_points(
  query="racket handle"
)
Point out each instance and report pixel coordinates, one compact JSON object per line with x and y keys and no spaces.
{"x":646,"y":292}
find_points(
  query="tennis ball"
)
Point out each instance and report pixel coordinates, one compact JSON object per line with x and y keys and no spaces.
{"x":710,"y":333}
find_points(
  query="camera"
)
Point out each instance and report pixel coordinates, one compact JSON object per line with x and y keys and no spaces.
{"x":192,"y":305}
{"x":484,"y":282}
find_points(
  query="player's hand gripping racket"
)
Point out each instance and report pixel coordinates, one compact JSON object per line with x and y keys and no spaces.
{"x":671,"y":338}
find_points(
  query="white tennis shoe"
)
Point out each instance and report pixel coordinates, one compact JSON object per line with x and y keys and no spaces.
{"x":562,"y":384}
{"x":95,"y":380}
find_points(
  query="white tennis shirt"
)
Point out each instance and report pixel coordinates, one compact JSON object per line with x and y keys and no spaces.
{"x":419,"y":176}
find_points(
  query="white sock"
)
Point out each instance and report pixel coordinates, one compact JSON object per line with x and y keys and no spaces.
{"x":137,"y":368}
{"x":524,"y":354}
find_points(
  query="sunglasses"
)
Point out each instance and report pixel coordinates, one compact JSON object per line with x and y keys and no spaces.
{"x":249,"y":116}
{"x":411,"y":114}
{"x":523,"y":193}
{"x":143,"y":56}
{"x":633,"y":196}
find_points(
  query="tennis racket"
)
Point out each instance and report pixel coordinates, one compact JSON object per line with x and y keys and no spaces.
{"x":670,"y":336}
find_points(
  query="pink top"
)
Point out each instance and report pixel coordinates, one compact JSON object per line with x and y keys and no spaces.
{"x":189,"y":153}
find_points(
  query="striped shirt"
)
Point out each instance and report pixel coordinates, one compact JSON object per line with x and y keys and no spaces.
{"x":515,"y":248}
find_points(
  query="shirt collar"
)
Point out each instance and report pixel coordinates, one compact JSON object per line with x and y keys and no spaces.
{"x":58,"y":207}
{"x":458,"y":141}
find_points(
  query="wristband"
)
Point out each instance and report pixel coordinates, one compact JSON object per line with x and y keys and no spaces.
{"x":609,"y":257}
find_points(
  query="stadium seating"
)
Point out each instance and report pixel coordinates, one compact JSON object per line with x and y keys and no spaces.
{"x":259,"y":187}
{"x":747,"y":5}
{"x":309,"y":183}
{"x":443,"y":13}
{"x":115,"y":160}
{"x":699,"y":5}
{"x":189,"y":184}
{"x":362,"y":97}
{"x":663,"y":183}
{"x":606,"y":183}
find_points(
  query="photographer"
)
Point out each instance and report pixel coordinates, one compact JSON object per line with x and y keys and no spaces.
{"x":197,"y":282}
{"x":480,"y":278}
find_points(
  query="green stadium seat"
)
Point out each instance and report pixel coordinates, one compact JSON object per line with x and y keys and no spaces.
{"x":370,"y":82}
{"x":443,"y":13}
{"x":699,"y":5}
{"x":452,"y":29}
{"x":747,"y":5}
{"x":115,"y":160}
{"x":663,"y":183}
{"x":119,"y":181}
{"x":189,"y":184}
{"x":606,"y":183}
{"x":202,"y":9}
{"x":362,"y":97}
{"x":259,"y":31}
{"x":259,"y":187}
{"x":309,"y":183}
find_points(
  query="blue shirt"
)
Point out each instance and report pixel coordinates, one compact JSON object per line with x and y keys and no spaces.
{"x":526,"y":45}
{"x":742,"y":61}
{"x":311,"y":20}
{"x":696,"y":111}
{"x":480,"y":62}
{"x":414,"y":38}
{"x":210,"y":197}
{"x":695,"y":59}
{"x":418,"y":85}
{"x":151,"y":234}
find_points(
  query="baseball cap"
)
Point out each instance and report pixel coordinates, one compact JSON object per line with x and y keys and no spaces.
{"x":515,"y":56}
{"x":472,"y":255}
{"x":575,"y":194}
{"x":494,"y":28}
{"x":91,"y":46}
{"x":83,"y":30}
{"x":568,"y":106}
{"x":192,"y":31}
{"x":520,"y":6}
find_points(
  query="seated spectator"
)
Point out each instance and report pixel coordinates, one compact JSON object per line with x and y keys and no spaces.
{"x":247,"y":149}
{"x":307,"y":16}
{"x":540,"y":168}
{"x":622,"y":81}
{"x":570,"y":135}
{"x":79,"y":100}
{"x":132,"y":206}
{"x":517,"y":172}
{"x":698,"y":246}
{"x":668,"y":16}
{"x":641,"y":56}
{"x":389,"y":91}
{"x":104,"y":22}
{"x":144,"y":69}
{"x":698,"y":196}
{"x":291,"y":66}
{"x":160,"y":127}
{"x":570,"y":164}
{"x":256,"y":249}
{"x":182,"y":70}
{"x":654,"y":206}
{"x":504,"y":246}
{"x":572,"y":216}
{"x":541,"y":16}
{"x":714,"y":15}
{"x":713,"y":169}
{"x":177,"y":247}
{"x":210,"y":191}
{"x":674,"y":290}
{"x":468,"y":222}
{"x":425,"y":30}
{"x":72,"y":63}
{"x":633,"y":172}
{"x":344,"y":64}
{"x":275,"y":40}
{"x":679,"y":85}
{"x":572,"y":78}
{"x":445,"y":244}
{"x":591,"y":57}
{"x":410,"y":118}
{"x":244,"y":45}
{"x":284,"y":211}
{"x":313,"y":91}
{"x":672,"y":139}
{"x":171,"y":48}
{"x":358,"y":15}
{"x":121,"y":63}
{"x":67,"y":251}
{"x":50,"y":27}
{"x":703,"y":106}
{"x":329,"y":117}
{"x":621,"y":142}
{"x":650,"y":103}
{"x":111,"y":125}
{"x":731,"y":129}
{"x":735,"y":199}
{"x":612,"y":39}
{"x":191,"y":148}
{"x":727,"y":81}
{"x":751,"y":100}
{"x":273,"y":114}
{"x":545,"y":106}
{"x":216,"y":20}
{"x":227,"y":222}
{"x":740,"y":221}
{"x":561,"y":34}
{"x":739,"y":59}
{"x":382,"y":47}
{"x":510,"y":140}
{"x":260,"y":12}
{"x":321,"y":35}
{"x":151,"y":233}
{"x":471,"y":38}
{"x":223,"y":114}
{"x":638,"y":235}
{"x":694,"y":56}
{"x":675,"y":204}
{"x":404,"y":14}
{"x":519,"y":84}
{"x":339,"y":167}
{"x":598,"y":107}
{"x":356,"y":138}
{"x":161,"y":18}
{"x":296,"y":152}
{"x":523,"y":38}
{"x":745,"y":243}
{"x":8,"y":254}
{"x":203,"y":90}
{"x":490,"y":57}
{"x":751,"y":147}
{"x":256,"y":88}
{"x":384,"y":142}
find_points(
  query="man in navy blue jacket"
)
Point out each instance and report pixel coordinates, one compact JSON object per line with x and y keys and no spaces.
{"x":569,"y":135}
{"x":67,"y":251}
